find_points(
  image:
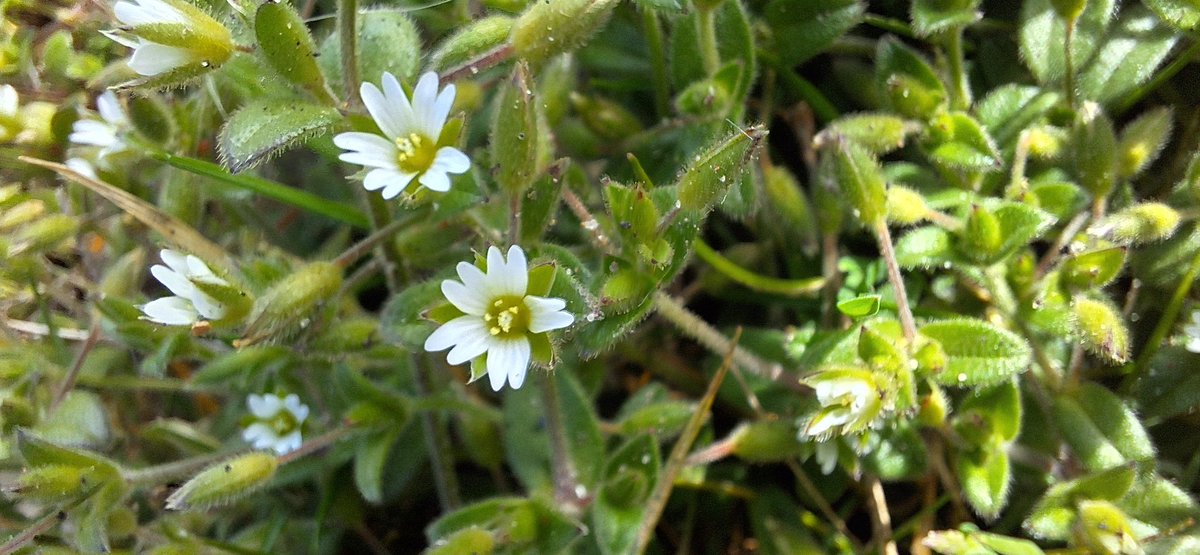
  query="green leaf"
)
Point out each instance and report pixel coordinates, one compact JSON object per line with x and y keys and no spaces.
{"x":285,"y":42}
{"x":900,"y":455}
{"x":388,"y":41}
{"x":860,"y":179}
{"x":860,"y":307}
{"x":664,"y":419}
{"x":527,"y":448}
{"x":369,"y":459}
{"x":984,"y":475}
{"x":242,"y":365}
{"x":672,"y":5}
{"x":264,"y":128}
{"x":630,"y":474}
{"x":79,"y":420}
{"x":402,"y":321}
{"x":977,"y":353}
{"x":1128,"y":57}
{"x":540,"y":203}
{"x":39,"y":452}
{"x":1011,"y":108}
{"x":778,"y":527}
{"x":1184,"y":14}
{"x":510,"y":517}
{"x":935,"y":16}
{"x":1054,"y":514}
{"x":1043,"y":34}
{"x":1158,"y":502}
{"x":1020,"y":224}
{"x":1001,"y":405}
{"x":1116,"y":421}
{"x":1093,"y":269}
{"x":735,"y":41}
{"x":1094,"y":146}
{"x":925,"y":247}
{"x":270,"y":189}
{"x":804,"y":29}
{"x":1087,"y":441}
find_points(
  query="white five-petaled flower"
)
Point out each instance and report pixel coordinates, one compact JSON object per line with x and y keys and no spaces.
{"x":277,"y":422}
{"x":105,"y":132}
{"x":1192,"y":330}
{"x":10,"y":101}
{"x":181,"y":275}
{"x":499,"y":317}
{"x":195,"y":36}
{"x":411,"y":146}
{"x":849,"y":399}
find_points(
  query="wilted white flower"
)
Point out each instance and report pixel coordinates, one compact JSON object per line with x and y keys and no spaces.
{"x":105,"y":132}
{"x":1192,"y":330}
{"x":827,"y":455}
{"x":197,"y":39}
{"x":849,"y":399}
{"x":411,"y":148}
{"x":499,"y":317}
{"x":183,"y":275}
{"x":277,"y":422}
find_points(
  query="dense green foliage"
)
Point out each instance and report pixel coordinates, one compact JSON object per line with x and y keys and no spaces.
{"x":804,"y":276}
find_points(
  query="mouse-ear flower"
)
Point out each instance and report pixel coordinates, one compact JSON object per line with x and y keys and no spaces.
{"x":412,"y":148}
{"x":277,"y":423}
{"x":501,"y":323}
{"x":170,"y":35}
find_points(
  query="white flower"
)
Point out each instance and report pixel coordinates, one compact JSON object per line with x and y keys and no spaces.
{"x":409,"y":148}
{"x":81,"y":166}
{"x":9,"y":101}
{"x":105,"y":132}
{"x":499,"y":317}
{"x":277,"y":422}
{"x":1192,"y":330}
{"x":189,"y":304}
{"x":849,"y":398}
{"x":200,"y":39}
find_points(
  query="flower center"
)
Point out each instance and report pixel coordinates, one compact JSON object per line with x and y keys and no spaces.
{"x":415,"y":153}
{"x":507,"y":317}
{"x":283,"y":423}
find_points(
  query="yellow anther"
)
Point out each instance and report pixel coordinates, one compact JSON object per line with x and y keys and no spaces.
{"x":494,"y":331}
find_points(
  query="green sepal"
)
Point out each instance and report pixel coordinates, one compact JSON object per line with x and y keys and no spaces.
{"x":1100,"y":327}
{"x":547,"y":29}
{"x":541,"y":279}
{"x":444,"y":313}
{"x":879,"y":351}
{"x":540,"y":349}
{"x":1087,"y":441}
{"x":879,"y":133}
{"x":981,"y":237}
{"x":985,"y":474}
{"x":957,"y":141}
{"x":906,"y":81}
{"x":860,"y":179}
{"x":1094,"y":145}
{"x":514,"y":133}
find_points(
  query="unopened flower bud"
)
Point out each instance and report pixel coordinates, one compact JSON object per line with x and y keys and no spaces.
{"x":1099,"y":327}
{"x":1147,"y":222}
{"x":290,"y":299}
{"x":710,"y":175}
{"x":550,"y":28}
{"x":1103,"y":529}
{"x":766,"y":441}
{"x":905,"y":206}
{"x":471,"y":42}
{"x":225,"y":482}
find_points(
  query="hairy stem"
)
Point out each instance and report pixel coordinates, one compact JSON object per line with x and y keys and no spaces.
{"x":658,"y":62}
{"x":709,"y":55}
{"x":893,"y":269}
{"x":961,"y":91}
{"x":347,"y":25}
{"x":565,"y":476}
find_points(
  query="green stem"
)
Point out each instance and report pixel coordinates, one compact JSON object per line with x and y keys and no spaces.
{"x":43,"y":525}
{"x":1165,"y":323}
{"x":316,"y":444}
{"x":652,"y":29}
{"x":1069,"y":66}
{"x":437,"y":440}
{"x":381,"y":218}
{"x":1181,"y":61}
{"x":789,"y":287}
{"x":347,"y":25}
{"x":889,"y":24}
{"x":961,"y":99}
{"x":694,"y":326}
{"x":162,"y":473}
{"x":709,"y":55}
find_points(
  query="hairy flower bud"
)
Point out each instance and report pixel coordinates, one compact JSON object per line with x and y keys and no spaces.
{"x":225,"y":482}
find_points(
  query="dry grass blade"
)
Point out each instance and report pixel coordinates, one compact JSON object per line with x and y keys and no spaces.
{"x":171,"y":228}
{"x":675,"y":463}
